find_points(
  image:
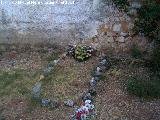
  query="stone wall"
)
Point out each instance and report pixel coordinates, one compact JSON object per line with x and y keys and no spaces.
{"x":65,"y":24}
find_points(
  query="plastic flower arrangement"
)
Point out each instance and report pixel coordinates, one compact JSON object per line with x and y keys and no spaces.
{"x":82,"y":52}
{"x":85,"y":112}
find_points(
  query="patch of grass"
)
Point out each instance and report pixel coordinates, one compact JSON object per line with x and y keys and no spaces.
{"x":135,"y":51}
{"x":156,"y":60}
{"x":57,"y":82}
{"x":142,"y":87}
{"x":16,"y":81}
{"x":23,"y":90}
{"x":7,"y":79}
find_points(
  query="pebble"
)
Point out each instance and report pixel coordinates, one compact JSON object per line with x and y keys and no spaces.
{"x":69,"y":103}
{"x":54,"y":104}
{"x":47,"y":70}
{"x":96,"y":79}
{"x":117,"y":27}
{"x":45,"y":101}
{"x":36,"y":90}
{"x":104,"y":64}
{"x":41,"y":77}
{"x":86,"y":96}
{"x":98,"y":69}
{"x":92,"y":82}
{"x":92,"y":91}
{"x":97,"y":74}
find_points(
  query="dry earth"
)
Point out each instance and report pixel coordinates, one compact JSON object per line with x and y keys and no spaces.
{"x":69,"y":80}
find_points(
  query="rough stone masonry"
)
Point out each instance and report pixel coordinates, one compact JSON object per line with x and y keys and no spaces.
{"x":60,"y":23}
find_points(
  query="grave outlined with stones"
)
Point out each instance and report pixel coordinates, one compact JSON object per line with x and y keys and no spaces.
{"x":87,"y":108}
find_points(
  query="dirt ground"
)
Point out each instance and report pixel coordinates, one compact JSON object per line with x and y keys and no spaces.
{"x":69,"y":80}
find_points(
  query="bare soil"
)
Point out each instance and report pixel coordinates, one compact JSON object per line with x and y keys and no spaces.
{"x":69,"y":80}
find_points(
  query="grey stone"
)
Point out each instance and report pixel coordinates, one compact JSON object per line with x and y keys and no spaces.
{"x":47,"y":70}
{"x":92,"y":91}
{"x":132,"y":12}
{"x":36,"y":90}
{"x":110,"y":39}
{"x":45,"y":101}
{"x":103,"y":67}
{"x":70,"y":50}
{"x":12,"y":62}
{"x":120,"y":39}
{"x":104,"y":64}
{"x":124,"y":34}
{"x":96,"y":79}
{"x":135,"y":4}
{"x":92,"y":82}
{"x":116,"y":27}
{"x":86,"y":96}
{"x":56,"y":61}
{"x":69,"y":103}
{"x":54,"y":103}
{"x":97,"y":74}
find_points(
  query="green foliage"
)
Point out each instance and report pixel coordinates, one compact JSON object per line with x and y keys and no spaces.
{"x":7,"y":79}
{"x":148,"y":23}
{"x":80,"y":53}
{"x":135,"y":51}
{"x":148,"y":20}
{"x":142,"y":87}
{"x":122,"y":4}
{"x":156,"y":60}
{"x":16,"y":82}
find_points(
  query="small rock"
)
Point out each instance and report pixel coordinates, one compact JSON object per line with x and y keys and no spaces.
{"x":117,"y":19}
{"x":56,"y":61}
{"x":12,"y":62}
{"x":69,"y":103}
{"x":135,"y":4}
{"x":54,"y":104}
{"x":88,"y":102}
{"x":104,"y":65}
{"x":86,"y":96}
{"x":92,"y":91}
{"x":117,"y":27}
{"x":70,"y":49}
{"x":36,"y":90}
{"x":121,"y":39}
{"x":92,"y":82}
{"x":47,"y":71}
{"x":110,"y":39}
{"x":97,"y":74}
{"x":41,"y":77}
{"x":98,"y":69}
{"x":96,"y":79}
{"x":103,"y":68}
{"x":132,"y":12}
{"x":45,"y":101}
{"x":124,"y":34}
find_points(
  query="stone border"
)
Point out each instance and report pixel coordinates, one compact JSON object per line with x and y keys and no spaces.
{"x":87,"y":109}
